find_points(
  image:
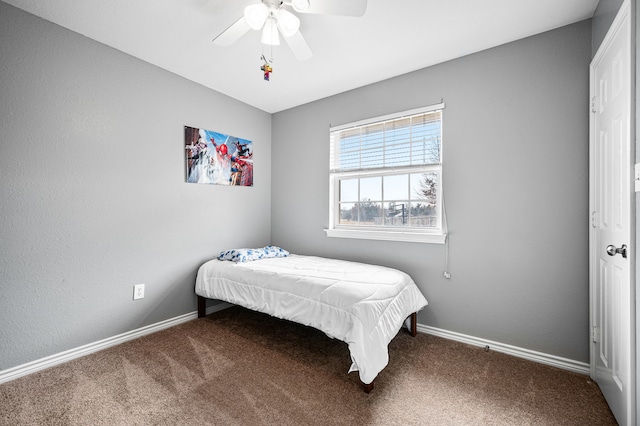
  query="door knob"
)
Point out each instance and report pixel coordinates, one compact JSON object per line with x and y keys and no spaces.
{"x":612,"y":250}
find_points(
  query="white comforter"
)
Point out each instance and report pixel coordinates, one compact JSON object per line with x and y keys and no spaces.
{"x":362,"y":305}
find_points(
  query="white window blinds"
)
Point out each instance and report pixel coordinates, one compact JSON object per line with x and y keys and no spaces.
{"x":381,"y":143}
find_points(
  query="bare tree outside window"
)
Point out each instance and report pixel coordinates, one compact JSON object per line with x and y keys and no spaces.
{"x":428,"y":188}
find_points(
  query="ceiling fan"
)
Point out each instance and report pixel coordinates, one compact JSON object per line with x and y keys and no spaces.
{"x":273,"y":18}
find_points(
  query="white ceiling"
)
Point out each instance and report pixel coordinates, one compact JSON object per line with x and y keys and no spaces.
{"x":392,"y":38}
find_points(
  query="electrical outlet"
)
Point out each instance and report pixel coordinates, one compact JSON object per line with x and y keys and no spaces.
{"x":138,"y":291}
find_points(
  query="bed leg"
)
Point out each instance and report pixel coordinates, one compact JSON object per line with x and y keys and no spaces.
{"x":414,"y":324}
{"x":367,"y":387}
{"x":202,"y":306}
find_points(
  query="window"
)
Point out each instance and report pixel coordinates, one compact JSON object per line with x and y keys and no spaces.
{"x":386,"y":177}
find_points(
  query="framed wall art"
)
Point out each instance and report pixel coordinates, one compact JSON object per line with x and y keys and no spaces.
{"x":217,"y":159}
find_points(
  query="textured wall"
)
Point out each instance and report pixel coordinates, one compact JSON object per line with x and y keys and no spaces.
{"x":515,"y":180}
{"x":93,"y":197}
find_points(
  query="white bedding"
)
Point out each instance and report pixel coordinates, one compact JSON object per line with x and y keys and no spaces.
{"x":360,"y":304}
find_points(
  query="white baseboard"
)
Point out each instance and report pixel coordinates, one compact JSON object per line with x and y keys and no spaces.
{"x":542,"y":358}
{"x":62,"y":357}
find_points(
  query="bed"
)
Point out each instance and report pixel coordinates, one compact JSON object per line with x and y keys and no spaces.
{"x":363,"y":305}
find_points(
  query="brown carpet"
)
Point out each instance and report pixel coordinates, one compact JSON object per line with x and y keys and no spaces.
{"x":238,"y":367}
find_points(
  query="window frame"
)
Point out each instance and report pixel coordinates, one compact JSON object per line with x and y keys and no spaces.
{"x":380,"y":232}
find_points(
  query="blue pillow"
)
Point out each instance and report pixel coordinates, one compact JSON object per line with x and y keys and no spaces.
{"x":249,"y":255}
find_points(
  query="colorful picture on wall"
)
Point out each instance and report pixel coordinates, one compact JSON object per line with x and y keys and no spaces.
{"x":216,"y":158}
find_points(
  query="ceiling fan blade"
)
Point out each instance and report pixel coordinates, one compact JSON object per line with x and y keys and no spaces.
{"x":332,"y":7}
{"x":299,"y":46}
{"x":233,"y":33}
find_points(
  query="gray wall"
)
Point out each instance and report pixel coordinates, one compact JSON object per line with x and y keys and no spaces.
{"x":602,"y":19}
{"x":515,"y":180}
{"x":93,"y":197}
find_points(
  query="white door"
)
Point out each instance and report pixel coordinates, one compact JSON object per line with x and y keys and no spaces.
{"x":611,"y":254}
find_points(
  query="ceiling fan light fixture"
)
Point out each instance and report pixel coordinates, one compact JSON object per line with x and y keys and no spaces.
{"x":270,"y":33}
{"x":272,"y":19}
{"x":288,"y":23}
{"x":300,"y":5}
{"x":256,"y":15}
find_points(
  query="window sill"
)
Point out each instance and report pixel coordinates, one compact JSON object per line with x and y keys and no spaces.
{"x":384,"y":235}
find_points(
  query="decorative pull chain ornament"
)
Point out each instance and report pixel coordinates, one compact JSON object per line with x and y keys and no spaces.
{"x":266,"y":68}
